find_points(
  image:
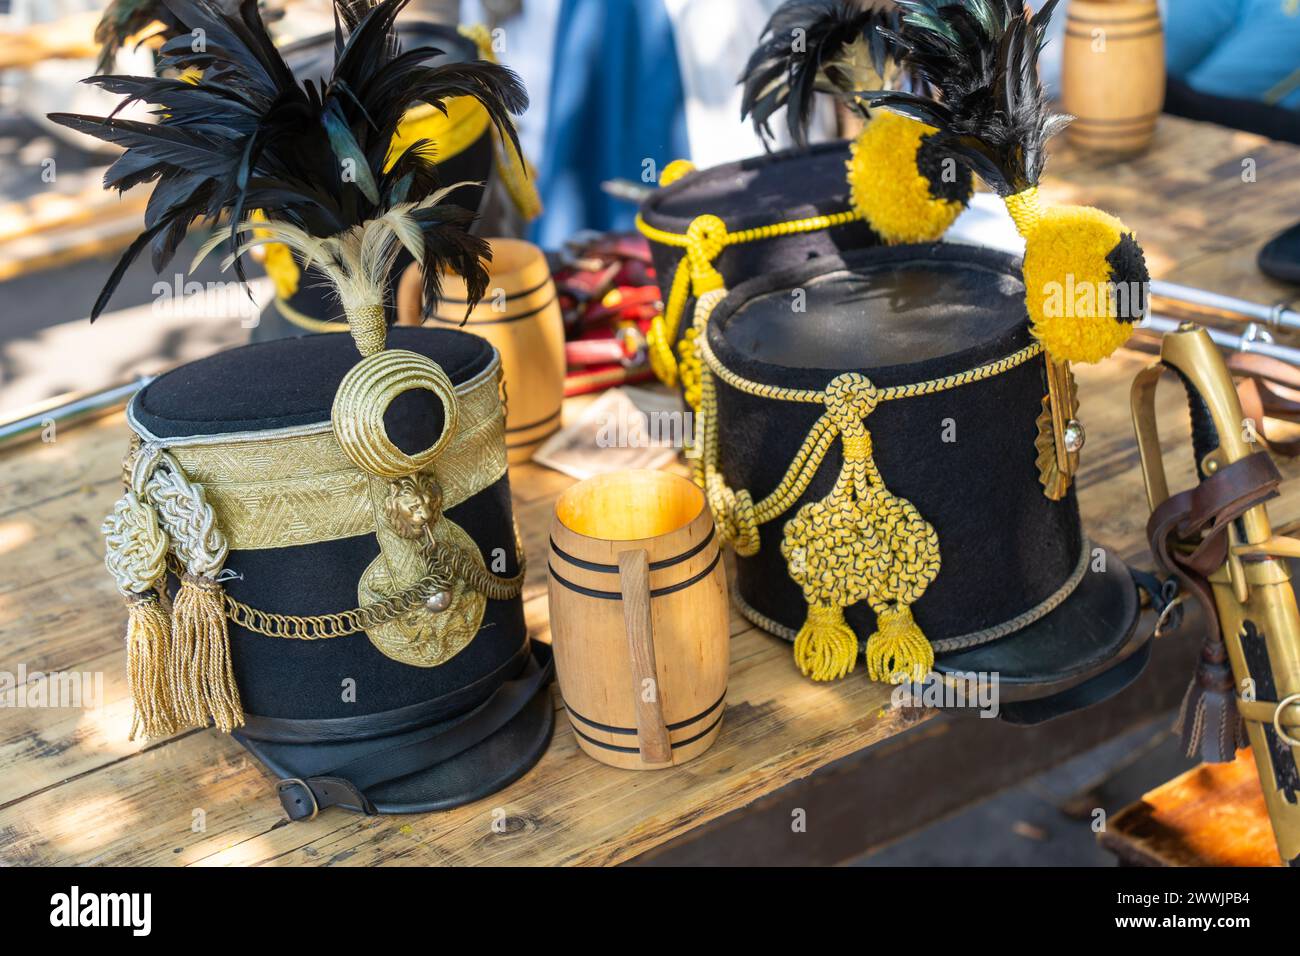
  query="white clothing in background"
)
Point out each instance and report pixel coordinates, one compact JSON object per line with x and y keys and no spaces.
{"x":714,"y":39}
{"x":529,"y":40}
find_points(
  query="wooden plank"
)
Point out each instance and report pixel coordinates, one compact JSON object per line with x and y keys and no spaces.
{"x":879,"y":795}
{"x":1213,"y":815}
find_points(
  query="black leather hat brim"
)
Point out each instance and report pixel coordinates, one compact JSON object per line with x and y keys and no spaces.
{"x":475,"y":773}
{"x":1091,"y":634}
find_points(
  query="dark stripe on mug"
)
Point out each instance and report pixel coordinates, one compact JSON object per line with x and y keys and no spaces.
{"x":636,"y":750}
{"x":613,"y":568}
{"x":654,"y":592}
{"x":469,"y":323}
{"x":632,"y":730}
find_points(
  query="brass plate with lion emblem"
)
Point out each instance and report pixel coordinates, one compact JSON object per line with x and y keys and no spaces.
{"x":421,"y":637}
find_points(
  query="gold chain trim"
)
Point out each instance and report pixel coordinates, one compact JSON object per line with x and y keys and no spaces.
{"x":447,"y":565}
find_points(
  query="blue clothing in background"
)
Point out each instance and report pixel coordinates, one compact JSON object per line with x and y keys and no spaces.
{"x":1244,"y":49}
{"x":616,"y":101}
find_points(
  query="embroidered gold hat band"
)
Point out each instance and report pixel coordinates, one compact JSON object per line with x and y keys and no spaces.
{"x":289,"y":487}
{"x":191,"y":501}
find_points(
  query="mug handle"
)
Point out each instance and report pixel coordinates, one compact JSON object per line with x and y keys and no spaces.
{"x":651,"y":731}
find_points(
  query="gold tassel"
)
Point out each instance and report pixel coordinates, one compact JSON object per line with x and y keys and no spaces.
{"x":148,"y":635}
{"x":898,"y":650}
{"x":825,"y":647}
{"x":202,"y":679}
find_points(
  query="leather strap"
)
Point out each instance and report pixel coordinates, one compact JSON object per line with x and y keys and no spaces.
{"x":1260,"y":378}
{"x":345,"y":786}
{"x":1201,"y":517}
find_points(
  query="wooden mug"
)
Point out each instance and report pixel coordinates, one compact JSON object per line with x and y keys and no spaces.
{"x":1113,"y":73}
{"x":520,"y":316}
{"x":639,"y":618}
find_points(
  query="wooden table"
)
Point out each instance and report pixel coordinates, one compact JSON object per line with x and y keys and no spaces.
{"x":73,"y":790}
{"x":1212,"y":815}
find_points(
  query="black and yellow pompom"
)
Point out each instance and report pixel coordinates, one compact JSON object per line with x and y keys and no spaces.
{"x":905,"y":189}
{"x":1085,"y":279}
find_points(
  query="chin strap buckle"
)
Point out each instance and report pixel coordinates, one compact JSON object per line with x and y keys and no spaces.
{"x":303,"y":799}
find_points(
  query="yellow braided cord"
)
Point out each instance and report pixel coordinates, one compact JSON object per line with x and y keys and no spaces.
{"x":859,"y":542}
{"x":663,"y":329}
{"x":825,"y":647}
{"x":813,"y":396}
{"x":703,"y":241}
{"x":681,"y":240}
{"x":1025,"y":210}
{"x":659,"y":351}
{"x":688,"y":367}
{"x":675,"y":171}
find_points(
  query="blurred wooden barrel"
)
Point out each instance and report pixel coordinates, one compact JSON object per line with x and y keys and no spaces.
{"x":1113,"y":74}
{"x":520,"y":315}
{"x":639,"y":618}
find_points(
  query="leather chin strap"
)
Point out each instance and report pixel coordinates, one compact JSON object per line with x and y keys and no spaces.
{"x":345,"y":786}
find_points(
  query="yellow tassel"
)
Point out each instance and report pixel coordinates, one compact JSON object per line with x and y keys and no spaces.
{"x":148,"y":635}
{"x":825,"y":647}
{"x":898,"y":651}
{"x":202,"y":679}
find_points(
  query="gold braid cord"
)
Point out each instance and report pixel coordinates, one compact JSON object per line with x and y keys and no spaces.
{"x":695,"y":275}
{"x":858,"y":543}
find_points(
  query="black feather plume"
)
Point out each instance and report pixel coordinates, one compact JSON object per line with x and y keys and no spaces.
{"x":812,"y":46}
{"x":982,"y":57}
{"x":123,"y":19}
{"x":313,"y":157}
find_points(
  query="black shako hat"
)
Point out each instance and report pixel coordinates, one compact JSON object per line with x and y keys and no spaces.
{"x":315,"y":542}
{"x":425,"y":705}
{"x":467,"y":151}
{"x":879,"y":448}
{"x":737,"y":220}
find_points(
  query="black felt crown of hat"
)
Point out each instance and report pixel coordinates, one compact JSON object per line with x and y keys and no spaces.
{"x":317,"y":552}
{"x":879,"y":463}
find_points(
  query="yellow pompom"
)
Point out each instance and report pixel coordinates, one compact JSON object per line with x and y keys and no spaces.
{"x":1080,"y":303}
{"x":890,"y":191}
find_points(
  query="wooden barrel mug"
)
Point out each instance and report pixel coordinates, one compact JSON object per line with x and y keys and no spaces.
{"x":520,"y":316}
{"x":1113,"y":73}
{"x":639,"y":618}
